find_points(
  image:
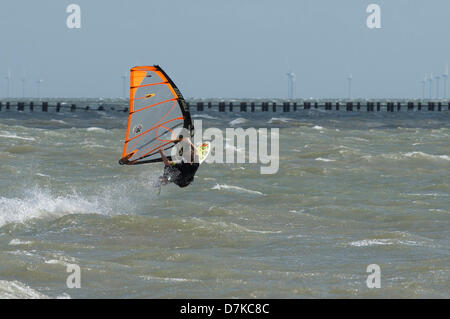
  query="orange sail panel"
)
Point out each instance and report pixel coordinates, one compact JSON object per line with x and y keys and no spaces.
{"x":156,"y":109}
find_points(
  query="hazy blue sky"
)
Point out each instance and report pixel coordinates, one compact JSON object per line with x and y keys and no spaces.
{"x":232,"y":48}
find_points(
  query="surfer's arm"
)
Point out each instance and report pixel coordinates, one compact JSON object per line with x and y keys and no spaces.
{"x":188,"y":140}
{"x":164,"y":158}
{"x":195,"y":156}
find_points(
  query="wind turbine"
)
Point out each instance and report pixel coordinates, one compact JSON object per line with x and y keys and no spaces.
{"x":424,"y":82}
{"x":430,"y":81}
{"x":38,"y":83}
{"x":445,"y":77}
{"x":437,"y":77}
{"x":23,"y":79}
{"x":8,"y":78}
{"x":350,"y":78}
{"x":291,"y":82}
{"x":124,"y":78}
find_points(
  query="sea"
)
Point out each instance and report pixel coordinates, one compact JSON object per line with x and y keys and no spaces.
{"x":359,"y":208}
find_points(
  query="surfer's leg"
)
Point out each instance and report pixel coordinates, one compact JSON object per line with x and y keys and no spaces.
{"x":167,"y":177}
{"x":162,"y":180}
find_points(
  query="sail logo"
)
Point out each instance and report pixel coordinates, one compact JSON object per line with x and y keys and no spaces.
{"x":137,"y":129}
{"x":236,"y":146}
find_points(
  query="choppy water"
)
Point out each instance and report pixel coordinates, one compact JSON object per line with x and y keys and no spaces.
{"x":352,"y":190}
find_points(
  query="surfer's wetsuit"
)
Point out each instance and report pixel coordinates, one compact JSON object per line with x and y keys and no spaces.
{"x":181,"y":174}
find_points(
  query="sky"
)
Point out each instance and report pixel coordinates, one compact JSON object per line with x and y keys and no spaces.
{"x":225,"y":49}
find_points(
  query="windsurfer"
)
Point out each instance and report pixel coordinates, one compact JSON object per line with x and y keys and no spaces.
{"x":181,"y":173}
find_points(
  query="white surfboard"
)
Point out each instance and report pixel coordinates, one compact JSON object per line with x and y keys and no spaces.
{"x":203,"y":151}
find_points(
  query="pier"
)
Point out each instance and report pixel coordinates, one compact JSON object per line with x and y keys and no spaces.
{"x":236,"y":105}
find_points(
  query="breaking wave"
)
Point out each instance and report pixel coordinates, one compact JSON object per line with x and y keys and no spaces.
{"x":41,"y":203}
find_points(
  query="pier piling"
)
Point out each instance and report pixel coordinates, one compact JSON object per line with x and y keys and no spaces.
{"x":44,"y":106}
{"x":349,"y":107}
{"x":221,"y":106}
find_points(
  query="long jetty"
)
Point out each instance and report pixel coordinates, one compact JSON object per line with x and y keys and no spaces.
{"x":240,"y":106}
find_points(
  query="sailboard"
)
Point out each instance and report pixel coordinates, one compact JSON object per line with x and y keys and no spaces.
{"x":157,"y":108}
{"x":203,"y":151}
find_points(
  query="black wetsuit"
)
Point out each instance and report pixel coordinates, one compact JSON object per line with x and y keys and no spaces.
{"x":181,"y":174}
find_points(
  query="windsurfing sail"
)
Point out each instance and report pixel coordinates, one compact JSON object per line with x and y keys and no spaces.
{"x":156,"y":109}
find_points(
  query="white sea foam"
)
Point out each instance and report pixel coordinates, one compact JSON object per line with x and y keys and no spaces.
{"x":242,"y":228}
{"x":426,"y":156}
{"x":18,"y":290}
{"x":15,"y":242}
{"x":354,"y":138}
{"x":41,"y":203}
{"x":239,"y":120}
{"x":96,"y":129}
{"x":59,"y":121}
{"x":370,"y":242}
{"x":42,"y":175}
{"x":325,"y":159}
{"x":204,"y":116}
{"x":87,"y":145}
{"x":18,"y":137}
{"x":381,"y":242}
{"x":234,"y":227}
{"x":409,"y":155}
{"x":57,"y":262}
{"x":279,"y":119}
{"x":169,"y":279}
{"x":237,"y":188}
